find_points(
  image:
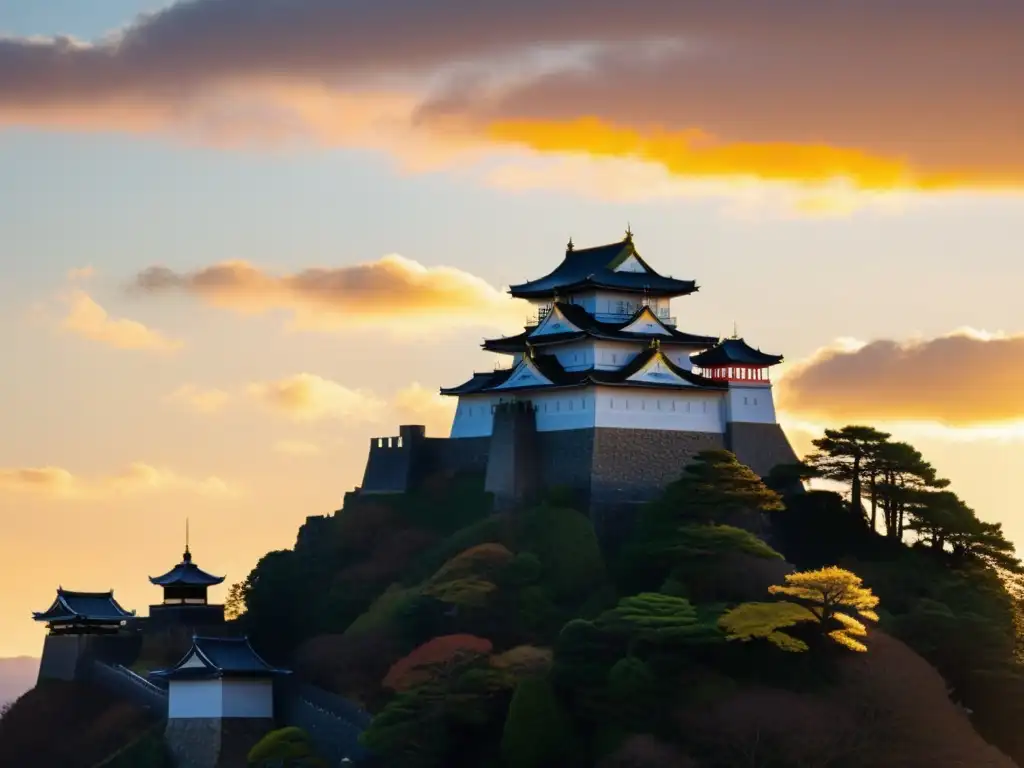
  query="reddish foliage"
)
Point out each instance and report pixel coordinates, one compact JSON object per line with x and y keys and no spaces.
{"x":349,"y":665}
{"x":424,"y":663}
{"x":67,"y":724}
{"x":390,"y":556}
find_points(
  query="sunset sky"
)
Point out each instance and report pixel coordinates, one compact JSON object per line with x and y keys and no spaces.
{"x":238,"y":238}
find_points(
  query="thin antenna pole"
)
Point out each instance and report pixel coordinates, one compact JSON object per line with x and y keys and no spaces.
{"x":186,"y":534}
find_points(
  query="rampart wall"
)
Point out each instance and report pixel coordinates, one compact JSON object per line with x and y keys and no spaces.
{"x":607,"y":469}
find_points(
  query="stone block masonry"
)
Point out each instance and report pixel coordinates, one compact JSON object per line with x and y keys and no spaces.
{"x":761,"y":447}
{"x":607,"y":470}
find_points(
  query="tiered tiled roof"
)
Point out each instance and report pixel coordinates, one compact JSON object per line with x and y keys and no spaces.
{"x":593,"y":268}
{"x":581,"y":324}
{"x":545,"y":371}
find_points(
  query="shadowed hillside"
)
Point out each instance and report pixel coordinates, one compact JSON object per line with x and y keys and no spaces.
{"x":67,"y":725}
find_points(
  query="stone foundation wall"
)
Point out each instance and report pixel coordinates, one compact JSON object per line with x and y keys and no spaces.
{"x":632,"y":466}
{"x":760,"y":446}
{"x":608,"y":471}
{"x":212,"y":743}
{"x":62,"y":656}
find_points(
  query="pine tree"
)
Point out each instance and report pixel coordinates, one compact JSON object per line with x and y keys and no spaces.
{"x":845,"y":455}
{"x":713,"y":486}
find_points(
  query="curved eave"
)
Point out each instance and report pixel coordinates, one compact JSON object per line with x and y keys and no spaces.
{"x":516,"y":344}
{"x":200,"y":579}
{"x":720,"y":356}
{"x":549,"y":367}
{"x":679,"y":288}
{"x":479,"y":383}
{"x":198,"y":673}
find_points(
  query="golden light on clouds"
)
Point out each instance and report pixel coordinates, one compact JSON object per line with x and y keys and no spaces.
{"x":695,"y":154}
{"x":794,"y":93}
{"x":89,"y":320}
{"x":393,"y":292}
{"x":965,"y":380}
{"x":137,"y":478}
{"x":419,"y":405}
{"x":307,"y":397}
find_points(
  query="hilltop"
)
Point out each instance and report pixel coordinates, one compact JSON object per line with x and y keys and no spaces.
{"x":740,"y":622}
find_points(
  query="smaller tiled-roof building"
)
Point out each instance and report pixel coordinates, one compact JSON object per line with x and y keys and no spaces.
{"x":220,"y":678}
{"x":83,"y":613}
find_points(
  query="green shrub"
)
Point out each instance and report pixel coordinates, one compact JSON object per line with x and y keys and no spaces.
{"x":536,"y":731}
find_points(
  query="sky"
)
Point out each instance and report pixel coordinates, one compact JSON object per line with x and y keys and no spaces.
{"x":242,"y":237}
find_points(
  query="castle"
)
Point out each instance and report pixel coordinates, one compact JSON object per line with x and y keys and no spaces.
{"x":604,"y":397}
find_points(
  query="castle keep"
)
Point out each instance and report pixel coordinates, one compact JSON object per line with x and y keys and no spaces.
{"x":604,"y":395}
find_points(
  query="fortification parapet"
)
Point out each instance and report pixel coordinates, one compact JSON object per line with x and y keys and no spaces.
{"x":393,"y":461}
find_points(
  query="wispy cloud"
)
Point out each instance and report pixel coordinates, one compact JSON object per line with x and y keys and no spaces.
{"x":137,"y":478}
{"x":89,"y":320}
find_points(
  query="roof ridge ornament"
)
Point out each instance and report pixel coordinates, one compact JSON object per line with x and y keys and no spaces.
{"x":629,"y":233}
{"x":569,"y":247}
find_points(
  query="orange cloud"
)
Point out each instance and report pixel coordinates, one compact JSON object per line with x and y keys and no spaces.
{"x":137,"y":478}
{"x":88,"y":319}
{"x":392,"y":292}
{"x":199,"y":399}
{"x":417,"y":404}
{"x":698,"y":155}
{"x":880,"y":94}
{"x":307,"y":397}
{"x":694,"y":153}
{"x":964,"y":379}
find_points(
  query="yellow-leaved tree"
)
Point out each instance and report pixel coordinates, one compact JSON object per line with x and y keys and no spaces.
{"x":833,"y":598}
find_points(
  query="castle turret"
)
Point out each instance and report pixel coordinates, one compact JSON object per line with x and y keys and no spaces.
{"x":80,"y":624}
{"x":751,"y":428}
{"x":84,"y":613}
{"x":219,"y":692}
{"x":185,"y":598}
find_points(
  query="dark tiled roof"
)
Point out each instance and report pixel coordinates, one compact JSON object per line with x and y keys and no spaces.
{"x":220,"y":657}
{"x":186,"y":573}
{"x":595,"y":268}
{"x":479,"y":382}
{"x":550,"y":368}
{"x":88,"y":606}
{"x":734,"y":352}
{"x":590,"y":326}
